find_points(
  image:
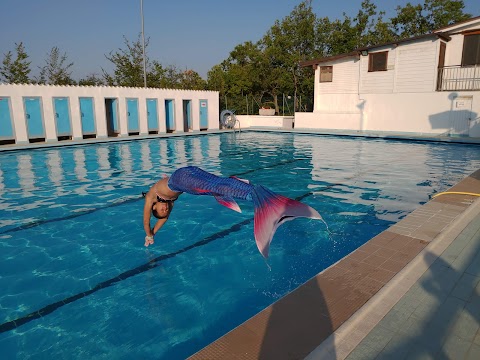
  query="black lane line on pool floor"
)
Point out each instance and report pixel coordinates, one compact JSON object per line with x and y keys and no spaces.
{"x":13,"y":324}
{"x":86,"y":212}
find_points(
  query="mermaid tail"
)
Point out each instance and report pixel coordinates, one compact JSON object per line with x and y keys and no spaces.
{"x":272,"y":210}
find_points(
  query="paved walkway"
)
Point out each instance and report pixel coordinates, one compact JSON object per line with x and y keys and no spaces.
{"x":439,"y":317}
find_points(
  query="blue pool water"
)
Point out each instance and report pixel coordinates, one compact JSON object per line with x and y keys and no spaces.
{"x":76,"y":281}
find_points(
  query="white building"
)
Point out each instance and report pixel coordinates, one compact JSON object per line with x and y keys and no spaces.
{"x":31,"y":113}
{"x":428,"y":84}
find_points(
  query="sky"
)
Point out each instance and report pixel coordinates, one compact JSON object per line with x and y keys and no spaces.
{"x":189,"y":34}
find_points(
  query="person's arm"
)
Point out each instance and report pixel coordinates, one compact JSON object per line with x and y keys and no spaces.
{"x":147,"y":208}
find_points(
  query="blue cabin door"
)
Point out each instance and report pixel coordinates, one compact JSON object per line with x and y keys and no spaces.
{"x":114,"y":112}
{"x":169,"y":115}
{"x":6,"y":129}
{"x":152,"y":114}
{"x":111,"y":116}
{"x":33,"y":116}
{"x":187,"y":115}
{"x":87,"y":116}
{"x":62,"y":116}
{"x":132,"y":112}
{"x":203,"y":114}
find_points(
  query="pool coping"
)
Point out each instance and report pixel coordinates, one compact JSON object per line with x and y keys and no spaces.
{"x":341,"y":133}
{"x":331,"y":313}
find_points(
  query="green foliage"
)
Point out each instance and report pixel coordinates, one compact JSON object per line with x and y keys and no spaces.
{"x":422,"y":19}
{"x":16,"y":71}
{"x":191,"y":80}
{"x":344,"y":36}
{"x":286,"y":44}
{"x":128,"y":64}
{"x":91,"y":80}
{"x":56,"y":70}
{"x":129,"y":70}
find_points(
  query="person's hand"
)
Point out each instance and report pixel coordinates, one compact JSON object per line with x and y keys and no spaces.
{"x":148,"y":240}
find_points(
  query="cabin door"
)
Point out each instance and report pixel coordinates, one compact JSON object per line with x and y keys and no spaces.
{"x":461,"y":116}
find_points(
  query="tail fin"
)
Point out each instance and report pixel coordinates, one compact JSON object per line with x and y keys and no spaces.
{"x":272,"y":210}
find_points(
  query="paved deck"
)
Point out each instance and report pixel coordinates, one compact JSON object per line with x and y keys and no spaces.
{"x":410,"y":292}
{"x":438,"y":317}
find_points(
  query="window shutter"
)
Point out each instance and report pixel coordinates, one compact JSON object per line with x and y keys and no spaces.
{"x":471,"y":50}
{"x":326,"y":73}
{"x":377,"y":61}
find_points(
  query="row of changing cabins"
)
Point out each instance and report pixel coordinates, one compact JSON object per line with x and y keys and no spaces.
{"x":35,"y":113}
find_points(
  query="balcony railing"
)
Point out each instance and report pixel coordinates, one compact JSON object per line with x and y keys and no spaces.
{"x":458,"y":78}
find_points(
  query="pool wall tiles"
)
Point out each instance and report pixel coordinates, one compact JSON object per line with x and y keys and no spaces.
{"x":16,"y":95}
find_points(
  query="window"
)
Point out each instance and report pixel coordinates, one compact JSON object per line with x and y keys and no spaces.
{"x":377,"y":61}
{"x":326,"y":73}
{"x":471,"y":50}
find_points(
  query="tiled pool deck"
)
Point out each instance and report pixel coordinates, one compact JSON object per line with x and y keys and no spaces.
{"x":411,"y":292}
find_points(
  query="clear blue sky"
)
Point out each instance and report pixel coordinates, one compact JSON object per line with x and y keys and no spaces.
{"x":190,"y":34}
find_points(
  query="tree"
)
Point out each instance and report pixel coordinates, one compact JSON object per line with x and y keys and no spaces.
{"x":423,"y":19}
{"x":56,"y":70}
{"x":286,"y":44}
{"x":216,"y":82}
{"x":169,"y":78}
{"x":441,"y":13}
{"x":128,"y":64}
{"x":245,"y":72}
{"x":409,"y":21}
{"x":91,"y":80}
{"x":128,"y":69}
{"x":16,"y":71}
{"x":191,"y":80}
{"x":343,"y":36}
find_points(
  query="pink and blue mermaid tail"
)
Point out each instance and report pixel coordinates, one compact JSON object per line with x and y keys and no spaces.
{"x":270,"y":210}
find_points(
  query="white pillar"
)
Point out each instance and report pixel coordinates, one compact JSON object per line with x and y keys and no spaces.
{"x":49,"y":119}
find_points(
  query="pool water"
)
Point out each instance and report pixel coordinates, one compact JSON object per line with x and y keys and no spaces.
{"x":78,"y":283}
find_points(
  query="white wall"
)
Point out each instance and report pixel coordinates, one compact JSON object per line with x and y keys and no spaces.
{"x":426,"y":113}
{"x":416,"y":67}
{"x":345,"y":81}
{"x":276,"y":122}
{"x":317,"y":120}
{"x":16,"y":93}
{"x":378,"y":81}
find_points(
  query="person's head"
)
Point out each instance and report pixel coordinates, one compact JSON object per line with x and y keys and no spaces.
{"x":161,"y":210}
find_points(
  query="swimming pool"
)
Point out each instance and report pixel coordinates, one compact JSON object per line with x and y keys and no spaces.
{"x":77,"y":282}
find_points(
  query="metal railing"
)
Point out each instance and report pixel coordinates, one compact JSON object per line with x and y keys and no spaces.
{"x":458,"y":78}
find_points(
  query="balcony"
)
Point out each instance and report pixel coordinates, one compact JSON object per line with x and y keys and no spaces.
{"x":459,"y":78}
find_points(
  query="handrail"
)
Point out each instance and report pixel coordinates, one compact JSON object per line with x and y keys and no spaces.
{"x":458,"y":78}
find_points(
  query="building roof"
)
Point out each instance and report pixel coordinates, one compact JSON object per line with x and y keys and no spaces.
{"x":457,"y":25}
{"x":357,"y":52}
{"x":329,"y":58}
